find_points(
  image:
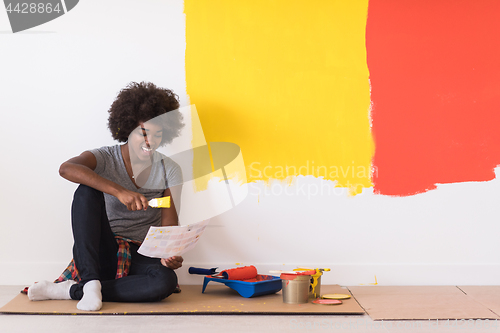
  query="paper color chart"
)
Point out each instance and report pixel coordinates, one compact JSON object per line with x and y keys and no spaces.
{"x":164,"y":242}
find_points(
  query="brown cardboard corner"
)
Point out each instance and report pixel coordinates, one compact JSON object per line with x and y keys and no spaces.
{"x":489,"y":296}
{"x":419,"y":302}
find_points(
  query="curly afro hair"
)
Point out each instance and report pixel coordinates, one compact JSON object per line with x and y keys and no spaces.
{"x":140,"y":102}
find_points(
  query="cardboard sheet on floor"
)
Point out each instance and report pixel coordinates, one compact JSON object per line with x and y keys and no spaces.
{"x":217,"y":299}
{"x":489,"y":296}
{"x":419,"y":302}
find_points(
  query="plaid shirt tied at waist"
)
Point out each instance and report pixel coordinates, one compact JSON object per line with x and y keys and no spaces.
{"x":122,"y":268}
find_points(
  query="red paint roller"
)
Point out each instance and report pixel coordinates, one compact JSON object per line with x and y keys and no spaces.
{"x":240,"y":273}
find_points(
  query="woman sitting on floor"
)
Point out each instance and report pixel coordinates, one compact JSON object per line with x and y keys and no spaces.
{"x":110,"y":211}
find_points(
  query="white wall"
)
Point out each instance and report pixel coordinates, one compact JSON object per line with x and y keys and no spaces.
{"x":57,"y":83}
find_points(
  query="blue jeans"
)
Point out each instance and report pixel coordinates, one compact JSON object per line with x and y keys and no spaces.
{"x":94,"y":252}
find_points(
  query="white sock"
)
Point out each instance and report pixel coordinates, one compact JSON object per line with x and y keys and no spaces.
{"x":92,"y":297}
{"x":44,"y":290}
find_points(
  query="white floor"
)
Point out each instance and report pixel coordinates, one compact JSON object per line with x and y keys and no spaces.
{"x":210,"y":323}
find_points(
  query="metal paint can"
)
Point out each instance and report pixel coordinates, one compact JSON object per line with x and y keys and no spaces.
{"x":295,"y":288}
{"x":315,"y":286}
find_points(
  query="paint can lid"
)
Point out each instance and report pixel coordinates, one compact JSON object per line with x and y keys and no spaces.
{"x":336,"y":296}
{"x":327,"y":301}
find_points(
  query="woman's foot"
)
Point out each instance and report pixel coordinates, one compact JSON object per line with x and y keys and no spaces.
{"x":92,"y":297}
{"x":44,"y":290}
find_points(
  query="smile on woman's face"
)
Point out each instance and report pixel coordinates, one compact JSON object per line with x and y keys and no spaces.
{"x":144,"y":140}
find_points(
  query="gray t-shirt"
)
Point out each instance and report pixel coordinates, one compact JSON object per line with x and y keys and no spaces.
{"x":134,"y":224}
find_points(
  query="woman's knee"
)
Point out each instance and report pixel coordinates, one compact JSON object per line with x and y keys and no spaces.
{"x":86,"y":197}
{"x":164,"y":281}
{"x":87,"y":192}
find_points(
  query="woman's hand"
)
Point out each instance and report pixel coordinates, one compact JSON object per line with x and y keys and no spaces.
{"x":133,"y":200}
{"x":172,"y":262}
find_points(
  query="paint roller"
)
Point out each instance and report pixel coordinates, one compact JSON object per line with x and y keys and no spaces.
{"x":239,"y":273}
{"x":203,"y":271}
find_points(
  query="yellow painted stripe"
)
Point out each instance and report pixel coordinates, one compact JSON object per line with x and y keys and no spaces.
{"x":285,"y":80}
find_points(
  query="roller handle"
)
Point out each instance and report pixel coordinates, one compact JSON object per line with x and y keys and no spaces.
{"x":202,"y":271}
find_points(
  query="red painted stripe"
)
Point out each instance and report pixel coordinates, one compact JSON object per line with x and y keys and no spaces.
{"x":435,"y":75}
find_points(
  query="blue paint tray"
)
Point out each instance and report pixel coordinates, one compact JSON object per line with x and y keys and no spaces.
{"x":268,"y":284}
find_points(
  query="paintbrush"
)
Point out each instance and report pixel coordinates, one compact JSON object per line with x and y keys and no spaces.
{"x":160,"y":202}
{"x":306,"y":272}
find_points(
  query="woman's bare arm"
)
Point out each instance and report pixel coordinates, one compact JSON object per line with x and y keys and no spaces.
{"x":80,"y":170}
